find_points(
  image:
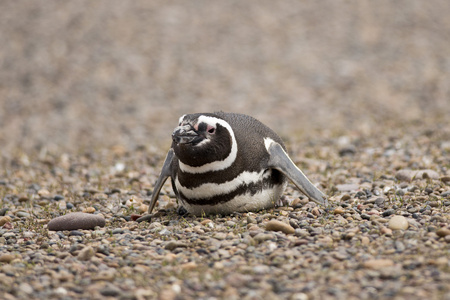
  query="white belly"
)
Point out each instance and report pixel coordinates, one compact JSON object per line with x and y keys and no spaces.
{"x":242,"y":203}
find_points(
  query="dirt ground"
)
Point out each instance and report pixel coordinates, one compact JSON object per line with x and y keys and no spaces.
{"x":90,"y":93}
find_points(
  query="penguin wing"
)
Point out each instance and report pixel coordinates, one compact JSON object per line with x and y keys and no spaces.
{"x":279,"y":160}
{"x":166,"y":172}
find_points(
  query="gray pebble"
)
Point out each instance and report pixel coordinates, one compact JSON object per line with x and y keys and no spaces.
{"x":76,"y":220}
{"x":58,"y":197}
{"x":388,"y":212}
{"x":399,"y":246}
{"x":76,"y":233}
{"x":22,"y":214}
{"x":117,"y":231}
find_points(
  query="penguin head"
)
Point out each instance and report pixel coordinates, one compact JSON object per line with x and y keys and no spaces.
{"x":201,"y":139}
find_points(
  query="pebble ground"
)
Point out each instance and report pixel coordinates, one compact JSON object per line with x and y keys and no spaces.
{"x":90,"y":94}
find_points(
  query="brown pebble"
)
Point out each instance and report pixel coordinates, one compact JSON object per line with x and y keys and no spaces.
{"x":338,"y":211}
{"x":23,"y":198}
{"x":4,"y":220}
{"x":315,"y":211}
{"x":378,"y":264}
{"x":77,"y":220}
{"x":443,"y":232}
{"x":445,"y":178}
{"x":386,"y":231}
{"x":365,"y":240}
{"x":89,"y":210}
{"x":7,"y":258}
{"x":275,"y":225}
{"x":345,"y":197}
{"x":143,"y":208}
{"x":134,"y":217}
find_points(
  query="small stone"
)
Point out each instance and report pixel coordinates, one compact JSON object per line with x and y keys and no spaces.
{"x":445,"y":178}
{"x":345,"y":197}
{"x":398,"y":223}
{"x":315,"y":211}
{"x":261,"y":237}
{"x":377,"y":264}
{"x":26,"y":288}
{"x":86,"y":253}
{"x":58,"y":197}
{"x":4,"y":220}
{"x":43,"y":193}
{"x":77,"y":220}
{"x":251,"y":220}
{"x":388,"y":212}
{"x":7,"y":258}
{"x":386,"y":231}
{"x":22,"y":214}
{"x":275,"y":225}
{"x":425,"y":174}
{"x":143,"y":208}
{"x":110,"y":291}
{"x":89,"y":210}
{"x":443,"y":232}
{"x":117,"y":231}
{"x":338,"y":211}
{"x":365,"y":240}
{"x":76,"y":233}
{"x":23,"y":198}
{"x":405,"y":175}
{"x":399,"y":246}
{"x":171,"y":245}
{"x":134,"y":217}
{"x":189,"y":266}
{"x":379,"y":202}
{"x":347,"y":187}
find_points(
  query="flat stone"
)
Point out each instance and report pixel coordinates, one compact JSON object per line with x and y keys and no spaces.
{"x":424,"y":174}
{"x":4,"y":220}
{"x":377,"y":264}
{"x":347,"y":187}
{"x":445,"y":178}
{"x":77,"y":220}
{"x":171,"y":245}
{"x":86,"y":253}
{"x":398,"y":223}
{"x":443,"y":232}
{"x":275,"y":225}
{"x":7,"y":258}
{"x":405,"y":175}
{"x":261,"y":237}
{"x":409,"y":175}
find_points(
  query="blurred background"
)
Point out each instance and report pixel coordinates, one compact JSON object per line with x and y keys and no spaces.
{"x":96,"y":74}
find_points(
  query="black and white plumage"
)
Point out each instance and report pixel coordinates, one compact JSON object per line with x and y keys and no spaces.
{"x":225,"y":162}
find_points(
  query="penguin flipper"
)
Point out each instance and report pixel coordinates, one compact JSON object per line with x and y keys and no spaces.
{"x":166,"y":172}
{"x":280,"y":161}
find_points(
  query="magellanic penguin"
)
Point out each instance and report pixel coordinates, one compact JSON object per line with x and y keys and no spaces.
{"x":221,"y":163}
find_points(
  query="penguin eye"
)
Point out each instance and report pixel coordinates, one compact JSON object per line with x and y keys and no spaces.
{"x":211,"y":129}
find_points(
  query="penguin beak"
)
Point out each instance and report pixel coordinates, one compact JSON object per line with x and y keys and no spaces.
{"x":184,"y":134}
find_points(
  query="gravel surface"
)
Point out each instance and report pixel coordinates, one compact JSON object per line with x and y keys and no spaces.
{"x":90,"y":93}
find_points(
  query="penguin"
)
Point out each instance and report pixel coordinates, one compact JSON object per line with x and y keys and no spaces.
{"x":221,"y":163}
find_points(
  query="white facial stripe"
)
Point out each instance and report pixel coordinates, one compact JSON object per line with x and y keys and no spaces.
{"x":268,"y":142}
{"x":215,"y":165}
{"x":181,"y":119}
{"x":208,"y":190}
